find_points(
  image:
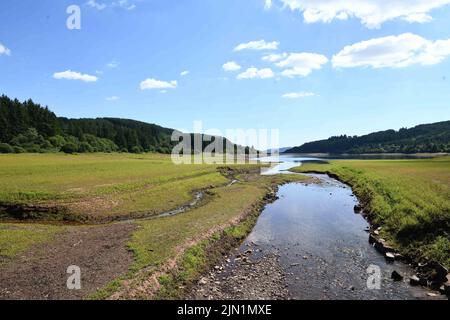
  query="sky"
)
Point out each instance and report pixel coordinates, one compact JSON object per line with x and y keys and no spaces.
{"x":309,"y":68}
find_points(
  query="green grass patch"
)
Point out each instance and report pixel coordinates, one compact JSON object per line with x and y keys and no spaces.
{"x":98,"y":186}
{"x":17,"y":238}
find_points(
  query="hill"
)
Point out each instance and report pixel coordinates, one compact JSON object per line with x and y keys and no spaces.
{"x":30,"y":127}
{"x":432,"y":138}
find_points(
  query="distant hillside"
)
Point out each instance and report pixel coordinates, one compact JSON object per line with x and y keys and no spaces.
{"x":29,"y":127}
{"x":433,"y":138}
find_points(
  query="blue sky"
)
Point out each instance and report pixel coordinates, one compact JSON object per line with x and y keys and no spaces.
{"x":338,"y":67}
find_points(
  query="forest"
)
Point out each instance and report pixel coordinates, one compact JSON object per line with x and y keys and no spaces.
{"x":426,"y":138}
{"x":27,"y":127}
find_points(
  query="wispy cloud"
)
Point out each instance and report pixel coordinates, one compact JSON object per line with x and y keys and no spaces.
{"x":73,"y":75}
{"x":297,"y":95}
{"x":184,"y":73}
{"x":4,"y":50}
{"x":231,"y":66}
{"x":125,"y":4}
{"x":96,"y":5}
{"x":254,"y":73}
{"x":257,"y":45}
{"x":113,"y":64}
{"x":112,"y":98}
{"x":393,"y":52}
{"x":267,"y":4}
{"x":274,"y":57}
{"x":152,"y":84}
{"x":301,"y":64}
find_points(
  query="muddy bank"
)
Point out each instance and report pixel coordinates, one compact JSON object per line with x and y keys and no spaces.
{"x":40,"y":273}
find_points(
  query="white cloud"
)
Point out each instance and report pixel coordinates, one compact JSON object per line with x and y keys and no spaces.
{"x":372,"y":13}
{"x":301,"y":64}
{"x":296,"y":95}
{"x":393,"y":52}
{"x":72,"y":75}
{"x":252,"y":73}
{"x":150,"y":84}
{"x":96,"y":5}
{"x":267,"y":4}
{"x":4,"y":50}
{"x":275,"y":57}
{"x":231,"y":66}
{"x":113,"y":98}
{"x":184,"y":73}
{"x":258,"y":45}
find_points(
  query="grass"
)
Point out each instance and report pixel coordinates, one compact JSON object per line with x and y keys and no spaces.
{"x":98,"y":186}
{"x":410,"y":199}
{"x":158,"y":239}
{"x":118,"y":185}
{"x":17,"y":238}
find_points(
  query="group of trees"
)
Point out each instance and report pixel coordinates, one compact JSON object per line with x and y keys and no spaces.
{"x":423,"y":138}
{"x":29,"y":127}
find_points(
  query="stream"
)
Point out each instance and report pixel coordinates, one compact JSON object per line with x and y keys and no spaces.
{"x":322,"y":245}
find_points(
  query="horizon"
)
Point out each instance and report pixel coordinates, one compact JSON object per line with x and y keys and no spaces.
{"x":171,"y":63}
{"x":232,"y":140}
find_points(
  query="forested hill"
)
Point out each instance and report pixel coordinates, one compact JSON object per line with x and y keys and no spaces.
{"x":29,"y":127}
{"x":433,"y":138}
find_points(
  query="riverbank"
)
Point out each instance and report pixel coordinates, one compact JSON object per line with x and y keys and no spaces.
{"x":308,"y":244}
{"x":407,"y":204}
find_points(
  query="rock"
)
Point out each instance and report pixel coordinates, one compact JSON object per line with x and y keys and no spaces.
{"x":432,"y":294}
{"x":203,"y":281}
{"x":216,"y":267}
{"x":358,"y":208}
{"x":396,"y":276}
{"x":390,"y":257}
{"x":414,"y":281}
{"x":434,"y":272}
{"x":372,"y":238}
{"x":447,"y":285}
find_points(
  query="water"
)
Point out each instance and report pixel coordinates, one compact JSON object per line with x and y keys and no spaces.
{"x":323,"y":245}
{"x":284,"y":162}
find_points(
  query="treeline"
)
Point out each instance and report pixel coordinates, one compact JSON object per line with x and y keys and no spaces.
{"x":425,"y":138}
{"x":30,"y":127}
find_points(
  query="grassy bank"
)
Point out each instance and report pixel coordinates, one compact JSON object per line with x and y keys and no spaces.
{"x":98,"y":186}
{"x":410,"y":199}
